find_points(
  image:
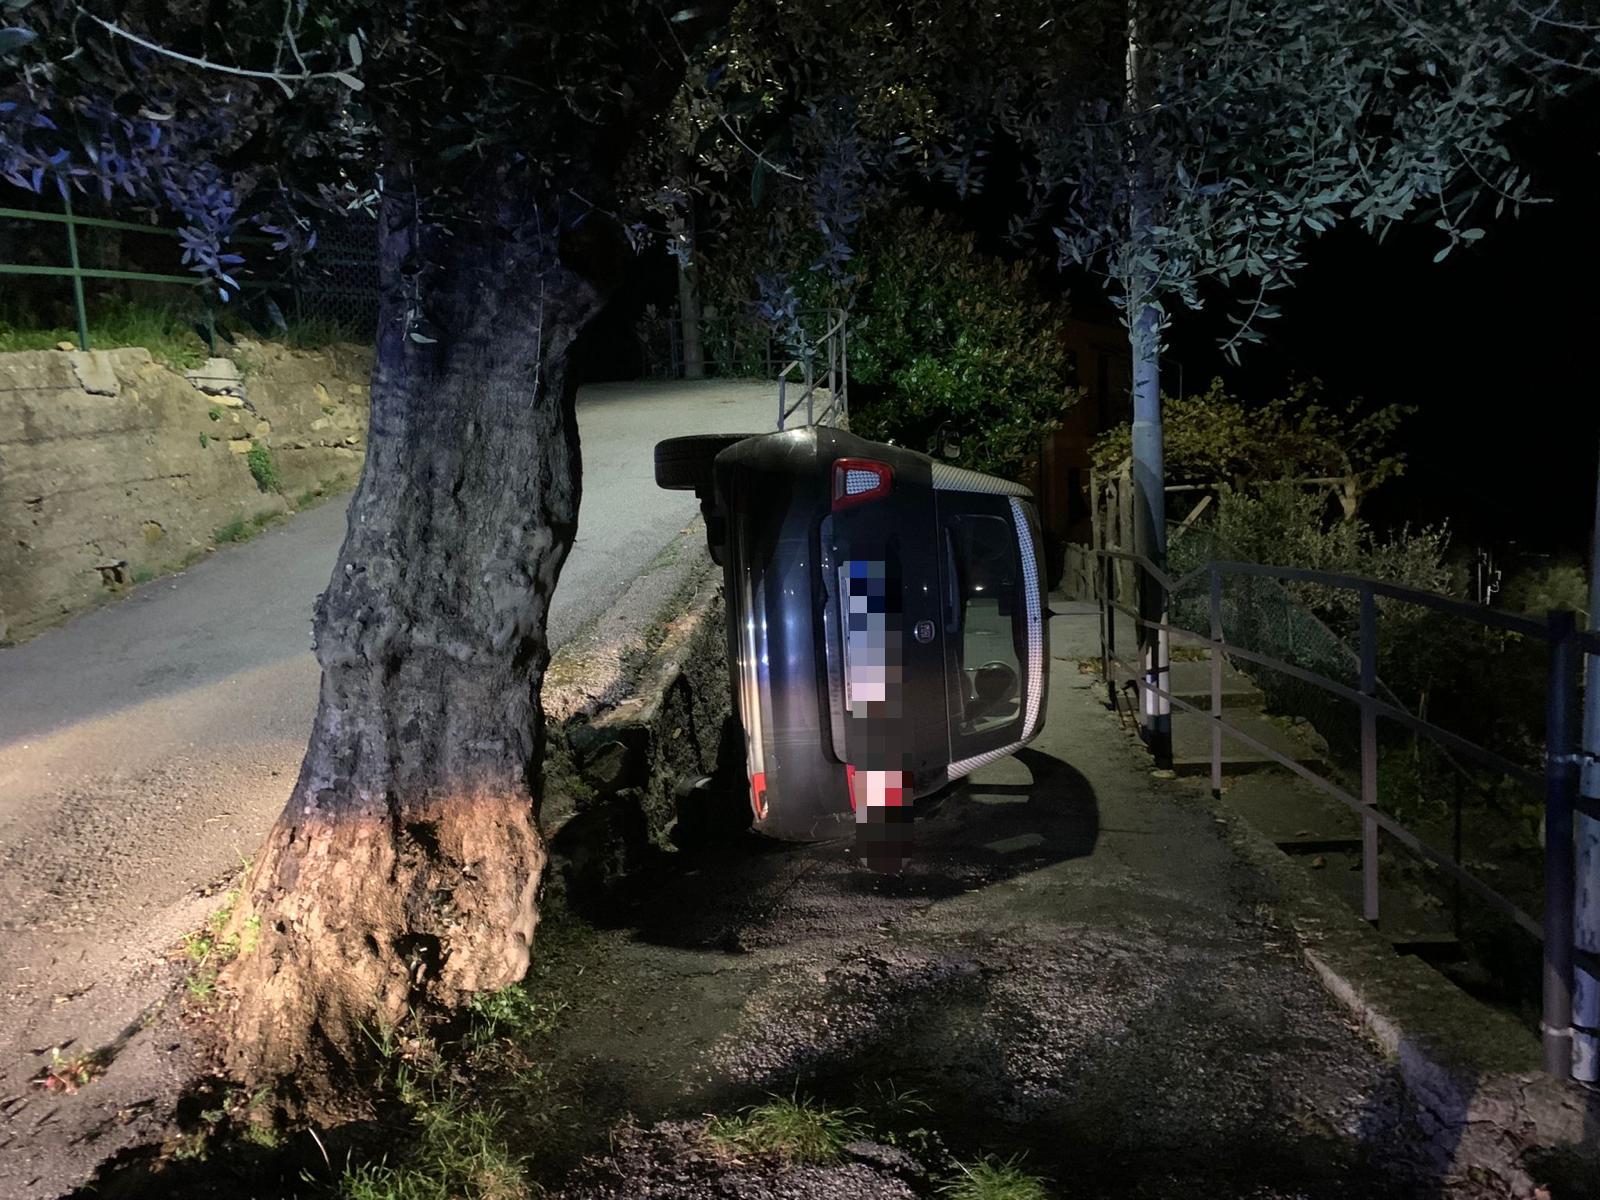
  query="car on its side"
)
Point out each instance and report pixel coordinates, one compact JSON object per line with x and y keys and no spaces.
{"x":887,"y":623}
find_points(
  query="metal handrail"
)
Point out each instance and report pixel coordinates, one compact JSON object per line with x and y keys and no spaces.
{"x":1565,"y":644}
{"x":1355,"y":583}
{"x":837,"y":375}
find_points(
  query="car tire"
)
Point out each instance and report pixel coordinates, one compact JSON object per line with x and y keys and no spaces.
{"x":683,"y":464}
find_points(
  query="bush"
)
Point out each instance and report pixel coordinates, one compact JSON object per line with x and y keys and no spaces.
{"x":944,"y":343}
{"x":262,"y":467}
{"x":1213,"y":438}
{"x":947,"y":342}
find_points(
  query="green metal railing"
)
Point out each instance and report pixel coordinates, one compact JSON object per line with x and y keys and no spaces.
{"x":77,"y":272}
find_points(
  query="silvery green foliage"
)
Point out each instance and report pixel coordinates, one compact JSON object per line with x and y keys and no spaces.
{"x":1248,"y":127}
{"x":805,"y":116}
{"x":231,"y":113}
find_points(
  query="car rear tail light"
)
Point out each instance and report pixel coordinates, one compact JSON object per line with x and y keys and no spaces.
{"x":857,"y":480}
{"x":758,"y":795}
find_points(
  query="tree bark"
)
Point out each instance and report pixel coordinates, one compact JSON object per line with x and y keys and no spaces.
{"x":401,"y":876}
{"x":694,"y":359}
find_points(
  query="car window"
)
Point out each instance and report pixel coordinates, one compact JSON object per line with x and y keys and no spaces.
{"x":982,"y":551}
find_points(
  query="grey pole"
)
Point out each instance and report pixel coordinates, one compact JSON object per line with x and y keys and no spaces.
{"x":1562,"y":685}
{"x":1369,"y":754}
{"x":1586,"y":900}
{"x":77,"y":276}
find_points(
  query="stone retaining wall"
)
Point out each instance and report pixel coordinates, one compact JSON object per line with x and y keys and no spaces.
{"x":618,"y":776}
{"x":115,"y":469}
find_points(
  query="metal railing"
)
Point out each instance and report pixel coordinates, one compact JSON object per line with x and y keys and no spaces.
{"x":76,"y":271}
{"x":1565,"y":645}
{"x":351,"y":304}
{"x":730,"y":347}
{"x":836,"y":375}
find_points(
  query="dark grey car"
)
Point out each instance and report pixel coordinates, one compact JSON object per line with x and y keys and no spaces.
{"x":886,"y":623}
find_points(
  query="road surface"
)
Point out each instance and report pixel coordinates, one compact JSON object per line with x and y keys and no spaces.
{"x":146,"y":748}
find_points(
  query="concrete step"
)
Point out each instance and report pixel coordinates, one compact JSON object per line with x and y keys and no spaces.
{"x":1191,"y":682}
{"x":1191,"y":744}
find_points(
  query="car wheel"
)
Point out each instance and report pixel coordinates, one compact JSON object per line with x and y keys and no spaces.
{"x":683,"y":464}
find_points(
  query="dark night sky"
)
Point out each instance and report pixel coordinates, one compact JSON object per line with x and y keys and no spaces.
{"x":1493,"y":346}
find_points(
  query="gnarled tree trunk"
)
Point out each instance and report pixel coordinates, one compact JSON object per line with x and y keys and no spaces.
{"x":401,"y":876}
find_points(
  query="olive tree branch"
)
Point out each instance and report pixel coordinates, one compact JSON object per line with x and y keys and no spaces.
{"x":278,"y":77}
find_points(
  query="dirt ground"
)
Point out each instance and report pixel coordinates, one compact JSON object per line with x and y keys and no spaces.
{"x":1076,"y":968}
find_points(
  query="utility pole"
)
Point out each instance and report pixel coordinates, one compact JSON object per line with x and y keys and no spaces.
{"x":1149,"y":475}
{"x":1586,"y":915}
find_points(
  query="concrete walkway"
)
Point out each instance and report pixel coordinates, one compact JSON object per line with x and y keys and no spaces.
{"x":1077,"y":966}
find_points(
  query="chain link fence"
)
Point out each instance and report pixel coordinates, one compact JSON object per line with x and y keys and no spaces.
{"x":337,"y":283}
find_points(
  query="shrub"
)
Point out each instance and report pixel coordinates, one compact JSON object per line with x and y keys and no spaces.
{"x":944,"y":343}
{"x":1214,"y":438}
{"x":948,"y":342}
{"x":262,"y":467}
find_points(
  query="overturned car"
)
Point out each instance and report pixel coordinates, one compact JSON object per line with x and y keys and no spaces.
{"x":887,"y":628}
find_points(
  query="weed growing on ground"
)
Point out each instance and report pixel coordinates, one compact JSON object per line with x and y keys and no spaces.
{"x":512,"y":1012}
{"x":210,"y":949}
{"x":795,"y":1130}
{"x":991,"y":1178}
{"x":263,"y":468}
{"x":241,"y":528}
{"x":69,"y":1072}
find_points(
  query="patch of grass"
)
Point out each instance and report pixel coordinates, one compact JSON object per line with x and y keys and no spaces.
{"x":456,"y":1144}
{"x":144,"y":575}
{"x":459,"y":1153}
{"x":991,"y":1178}
{"x":263,"y":468}
{"x":242,"y":528}
{"x":794,"y":1130}
{"x":167,"y":332}
{"x":514,"y":1012}
{"x":205,"y":440}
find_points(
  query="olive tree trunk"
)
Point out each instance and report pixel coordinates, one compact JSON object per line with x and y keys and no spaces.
{"x":402,"y":874}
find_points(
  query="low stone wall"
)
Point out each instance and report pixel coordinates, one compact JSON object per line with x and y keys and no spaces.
{"x":619,"y":771}
{"x":115,"y":469}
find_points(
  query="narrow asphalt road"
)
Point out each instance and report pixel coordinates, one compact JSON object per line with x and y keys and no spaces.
{"x":145,"y":748}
